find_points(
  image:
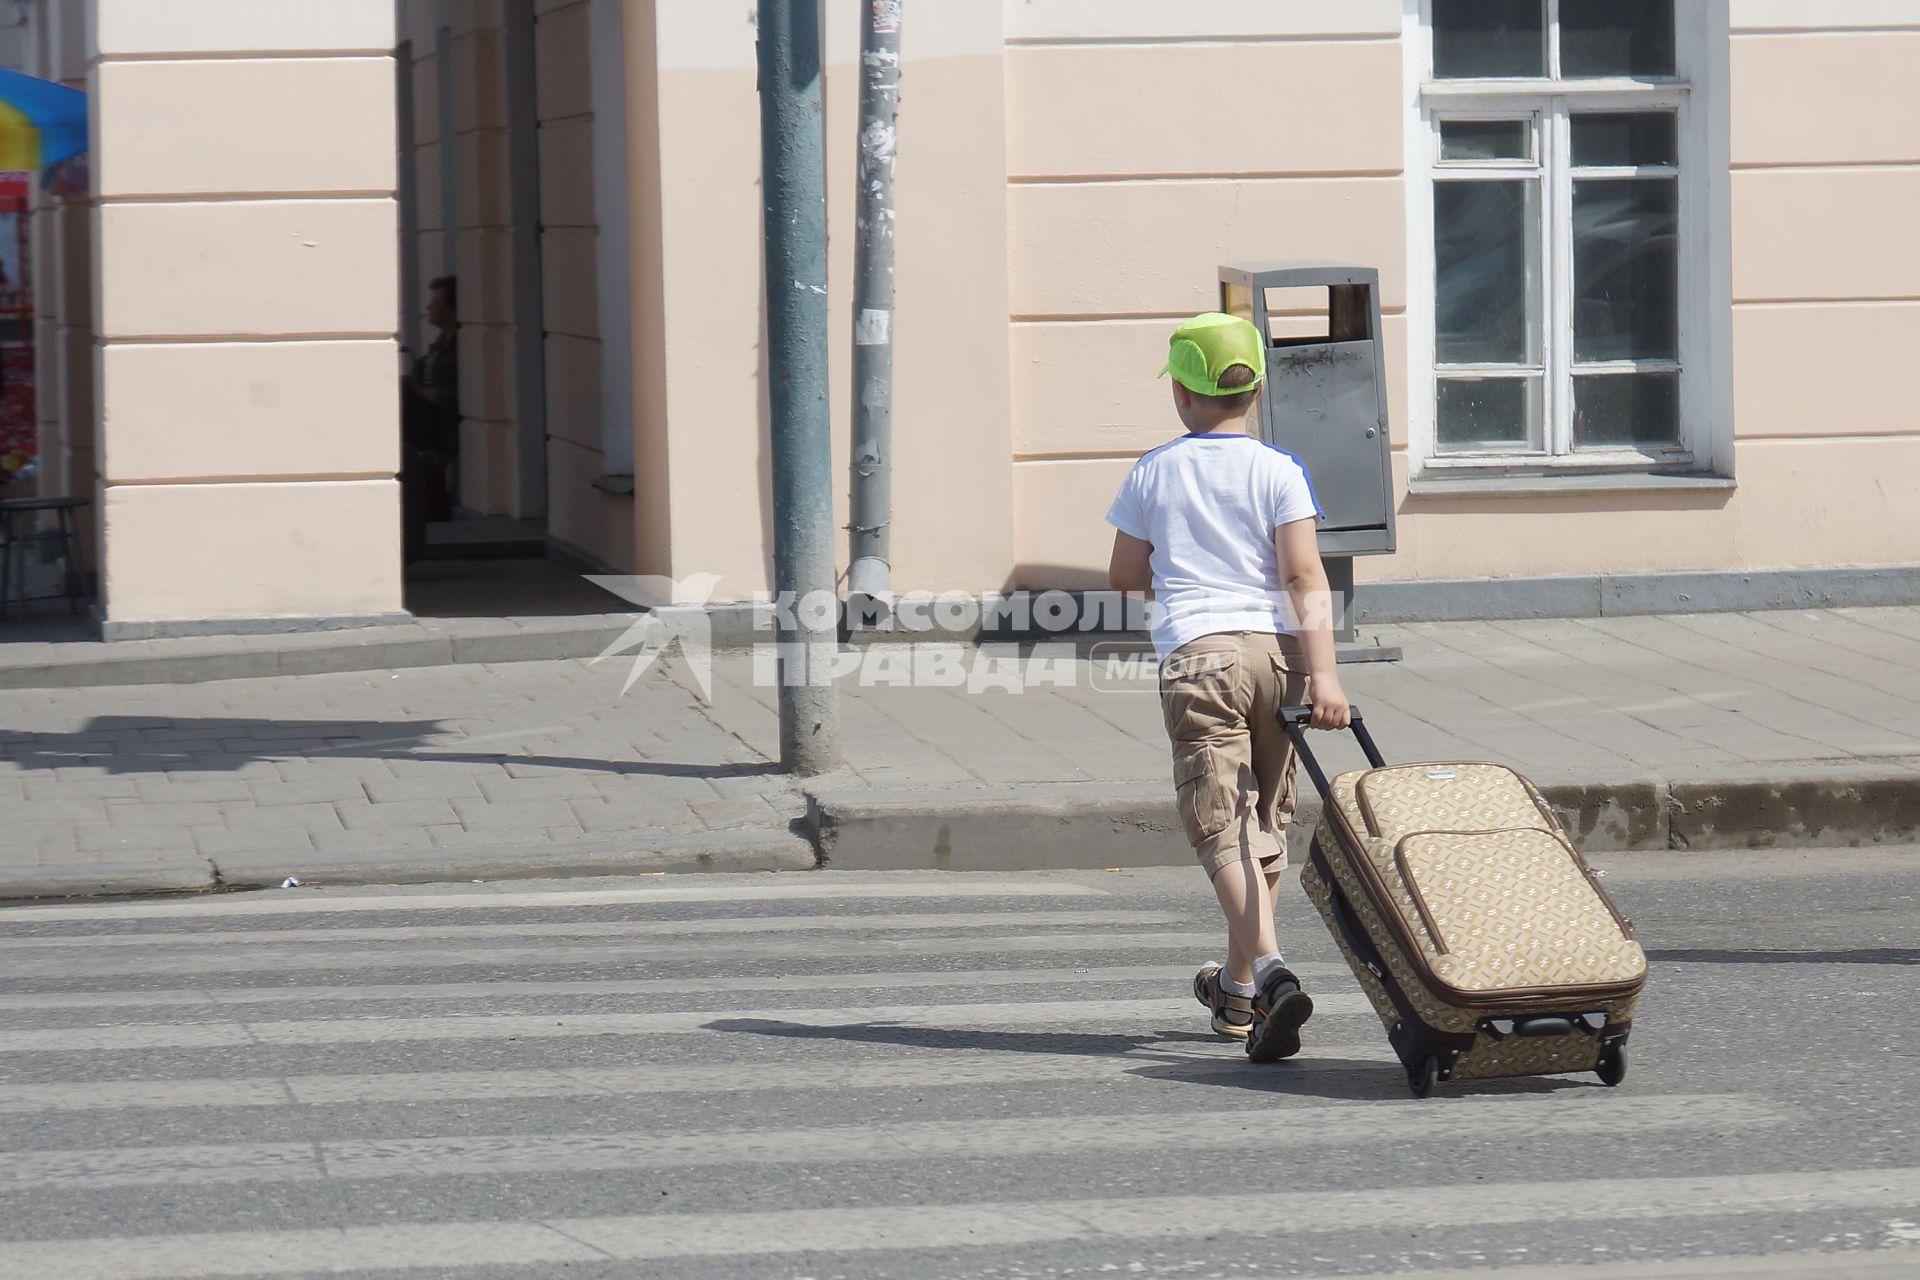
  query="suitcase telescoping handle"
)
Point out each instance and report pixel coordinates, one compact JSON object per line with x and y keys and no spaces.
{"x":1295,"y":721}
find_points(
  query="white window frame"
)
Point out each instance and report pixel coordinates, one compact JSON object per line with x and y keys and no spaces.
{"x":1697,"y":93}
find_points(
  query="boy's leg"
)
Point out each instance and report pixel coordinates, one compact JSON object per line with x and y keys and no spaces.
{"x":1276,"y":1005}
{"x":1280,"y":1006}
{"x":1239,"y":959}
{"x":1204,"y":696}
{"x":1247,"y":902}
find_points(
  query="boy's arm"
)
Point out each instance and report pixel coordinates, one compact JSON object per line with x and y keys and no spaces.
{"x":1131,"y":568}
{"x":1306,"y":584}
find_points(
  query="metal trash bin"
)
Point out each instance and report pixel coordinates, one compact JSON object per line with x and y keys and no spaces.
{"x":1326,"y":403}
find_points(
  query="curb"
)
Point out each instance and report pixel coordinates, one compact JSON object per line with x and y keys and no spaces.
{"x":190,"y":875}
{"x":745,"y":850}
{"x":1073,"y":826}
{"x":1091,"y":826}
{"x":1843,"y":806}
{"x":1047,"y":827}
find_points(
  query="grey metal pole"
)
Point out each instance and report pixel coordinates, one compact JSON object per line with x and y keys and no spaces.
{"x":870,"y":572}
{"x":792,"y":128}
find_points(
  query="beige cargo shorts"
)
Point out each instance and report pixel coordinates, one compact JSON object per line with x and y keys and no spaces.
{"x":1232,"y":762}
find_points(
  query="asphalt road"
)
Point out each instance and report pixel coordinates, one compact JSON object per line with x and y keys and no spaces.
{"x":820,"y":1075}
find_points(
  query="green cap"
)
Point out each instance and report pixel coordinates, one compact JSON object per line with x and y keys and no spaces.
{"x":1208,"y":345}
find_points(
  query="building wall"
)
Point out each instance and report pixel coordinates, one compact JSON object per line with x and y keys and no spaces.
{"x":953,"y":430}
{"x":1826,"y":283}
{"x":701,"y":466}
{"x":583,"y":516}
{"x":1147,"y":145}
{"x":1137,"y":164}
{"x":17,"y":52}
{"x":1823,"y":123}
{"x":244,"y":280}
{"x":1071,"y":174}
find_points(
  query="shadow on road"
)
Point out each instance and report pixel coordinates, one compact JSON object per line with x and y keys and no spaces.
{"x":1340,"y":1079}
{"x":1343,"y":1079}
{"x":1862,"y":955}
{"x":149,"y":744}
{"x":1060,"y":1043}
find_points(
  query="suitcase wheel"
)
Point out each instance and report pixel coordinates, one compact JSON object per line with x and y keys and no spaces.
{"x":1612,"y":1067}
{"x":1422,"y":1078}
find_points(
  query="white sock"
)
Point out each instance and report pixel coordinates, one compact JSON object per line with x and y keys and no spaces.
{"x":1266,"y":964}
{"x":1244,"y":989}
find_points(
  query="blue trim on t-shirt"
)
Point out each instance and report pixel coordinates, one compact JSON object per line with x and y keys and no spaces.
{"x":1305,"y":475}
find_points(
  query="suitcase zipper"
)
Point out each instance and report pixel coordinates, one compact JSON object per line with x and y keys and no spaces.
{"x":1410,"y":946}
{"x":1432,"y":922}
{"x":1547,"y":814}
{"x":1553,"y":825}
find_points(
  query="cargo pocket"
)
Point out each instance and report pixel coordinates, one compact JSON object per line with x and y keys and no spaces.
{"x":1206,"y":804}
{"x":1290,"y":679}
{"x":1196,"y":694}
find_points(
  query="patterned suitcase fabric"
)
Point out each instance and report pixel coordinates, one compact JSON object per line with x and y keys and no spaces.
{"x":1483,"y":921}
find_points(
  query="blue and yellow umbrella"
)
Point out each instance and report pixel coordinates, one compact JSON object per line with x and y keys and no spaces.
{"x":42,"y":123}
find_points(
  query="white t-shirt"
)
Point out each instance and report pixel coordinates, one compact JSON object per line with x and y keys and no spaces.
{"x":1209,"y":503}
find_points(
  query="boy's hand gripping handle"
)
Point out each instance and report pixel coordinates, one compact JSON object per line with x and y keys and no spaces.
{"x":1295,"y":720}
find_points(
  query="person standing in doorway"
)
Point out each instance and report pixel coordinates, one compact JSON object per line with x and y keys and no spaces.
{"x":430,"y":422}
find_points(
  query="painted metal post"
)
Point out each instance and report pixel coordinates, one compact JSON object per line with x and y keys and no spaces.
{"x":792,"y":142}
{"x":870,"y":572}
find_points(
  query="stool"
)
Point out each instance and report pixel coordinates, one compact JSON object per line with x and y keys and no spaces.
{"x":13,"y":570}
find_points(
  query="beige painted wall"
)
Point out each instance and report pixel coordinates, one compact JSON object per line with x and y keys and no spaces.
{"x":1123,"y":198}
{"x":1825,"y":146}
{"x":1066,"y":191}
{"x":244,"y":281}
{"x":1072,"y":150}
{"x":1138,"y":164}
{"x":701,"y":465}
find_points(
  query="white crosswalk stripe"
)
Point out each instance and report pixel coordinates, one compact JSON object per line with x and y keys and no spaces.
{"x":1102,"y":1014}
{"x":854,"y":1070}
{"x":654,"y":1238}
{"x":308,"y":958}
{"x":548,"y":1153}
{"x":599,"y":929}
{"x":550,"y":899}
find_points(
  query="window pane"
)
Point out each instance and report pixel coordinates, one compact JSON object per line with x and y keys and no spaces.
{"x":1476,"y":415}
{"x":1626,"y":270}
{"x":1486,"y":247}
{"x":1486,"y":139}
{"x":1622,"y":139}
{"x":1475,"y":38}
{"x":1611,"y":410}
{"x":1616,"y":38}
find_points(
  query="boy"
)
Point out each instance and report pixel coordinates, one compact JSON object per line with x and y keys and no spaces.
{"x":1220,"y":527}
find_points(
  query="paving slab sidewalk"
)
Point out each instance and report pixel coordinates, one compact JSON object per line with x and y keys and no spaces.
{"x":1653,"y":732}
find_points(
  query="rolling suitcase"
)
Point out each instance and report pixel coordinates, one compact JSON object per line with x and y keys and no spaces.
{"x":1481,"y":936}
